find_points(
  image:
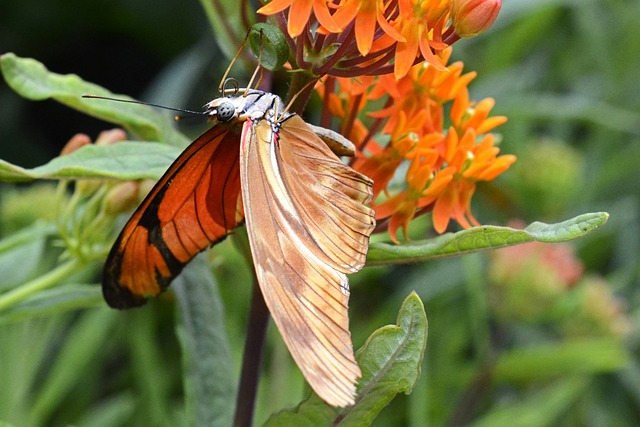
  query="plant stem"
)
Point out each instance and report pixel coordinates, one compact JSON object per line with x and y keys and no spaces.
{"x":252,"y":359}
{"x":300,"y":90}
{"x":43,"y":282}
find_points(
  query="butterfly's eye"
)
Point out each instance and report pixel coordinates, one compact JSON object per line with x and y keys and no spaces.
{"x":226,"y":112}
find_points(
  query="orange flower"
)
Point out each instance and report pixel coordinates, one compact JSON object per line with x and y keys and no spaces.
{"x":380,"y":168}
{"x":454,"y":202}
{"x":350,"y":38}
{"x":406,"y":131}
{"x":383,"y":162}
{"x":424,"y":86}
{"x":473,"y":161}
{"x":300,"y":13}
{"x":366,"y":14}
{"x":404,"y":206}
{"x":421,"y":23}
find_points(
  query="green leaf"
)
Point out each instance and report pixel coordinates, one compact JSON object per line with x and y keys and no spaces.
{"x":541,"y":408}
{"x":586,"y":356}
{"x":227,"y":23}
{"x":32,"y":80}
{"x":484,"y":237}
{"x":124,"y":160}
{"x":209,"y":380}
{"x":146,"y":363}
{"x":390,"y":361}
{"x":24,"y":248}
{"x":111,"y":411}
{"x":83,"y":343}
{"x":270,"y":45}
{"x":42,"y":282}
{"x":49,"y":301}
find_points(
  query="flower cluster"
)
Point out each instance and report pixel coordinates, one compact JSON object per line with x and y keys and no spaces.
{"x":389,"y":58}
{"x":373,"y":37}
{"x":445,"y":154}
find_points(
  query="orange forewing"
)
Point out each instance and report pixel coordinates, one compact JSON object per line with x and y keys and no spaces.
{"x":308,"y":225}
{"x":195,"y":204}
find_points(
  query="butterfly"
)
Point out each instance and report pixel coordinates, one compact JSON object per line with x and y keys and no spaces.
{"x":307,"y":220}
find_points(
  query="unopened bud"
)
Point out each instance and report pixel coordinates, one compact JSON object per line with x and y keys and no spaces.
{"x":108,"y":137}
{"x":144,"y":188}
{"x":121,"y":198}
{"x":78,"y":140}
{"x":473,"y":17}
{"x":87,"y":187}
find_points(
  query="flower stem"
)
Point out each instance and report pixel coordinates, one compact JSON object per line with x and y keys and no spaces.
{"x":300,"y":91}
{"x":254,"y":341}
{"x":252,"y":359}
{"x":41,"y":283}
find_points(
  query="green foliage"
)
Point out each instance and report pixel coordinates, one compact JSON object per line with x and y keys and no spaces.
{"x":207,"y":360}
{"x":390,"y":361}
{"x":555,"y":400}
{"x":484,"y":237}
{"x":566,"y":354}
{"x":33,"y":81}
{"x":270,"y":45}
{"x":125,"y":161}
{"x":227,"y":22}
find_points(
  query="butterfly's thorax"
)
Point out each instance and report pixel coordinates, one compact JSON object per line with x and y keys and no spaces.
{"x":254,"y":105}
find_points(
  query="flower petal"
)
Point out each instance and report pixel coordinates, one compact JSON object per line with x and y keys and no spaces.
{"x":299,"y":14}
{"x":274,"y":6}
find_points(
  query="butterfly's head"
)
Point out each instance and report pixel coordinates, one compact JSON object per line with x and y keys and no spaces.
{"x":223,"y":109}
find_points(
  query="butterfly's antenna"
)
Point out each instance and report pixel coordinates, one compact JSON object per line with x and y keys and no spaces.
{"x":150,"y":104}
{"x":233,"y":61}
{"x":258,"y":68}
{"x":294,"y":97}
{"x":255,"y":73}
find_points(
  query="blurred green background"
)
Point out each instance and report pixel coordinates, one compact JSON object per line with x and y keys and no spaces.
{"x":546,"y":335}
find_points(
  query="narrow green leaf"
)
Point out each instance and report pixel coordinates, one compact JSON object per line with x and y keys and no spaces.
{"x":26,"y":350}
{"x":541,"y":408}
{"x":227,"y":23}
{"x":83,"y":343}
{"x":125,"y":161}
{"x":209,"y":379}
{"x":32,"y":80}
{"x":484,"y":237}
{"x":146,"y":363}
{"x":390,"y":361}
{"x":42,"y":282}
{"x":24,"y":248}
{"x":112,"y":411}
{"x":55,"y":300}
{"x":586,"y":356}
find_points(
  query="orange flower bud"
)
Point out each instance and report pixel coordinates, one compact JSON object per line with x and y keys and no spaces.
{"x":108,"y":137}
{"x":78,"y":140}
{"x":473,"y":17}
